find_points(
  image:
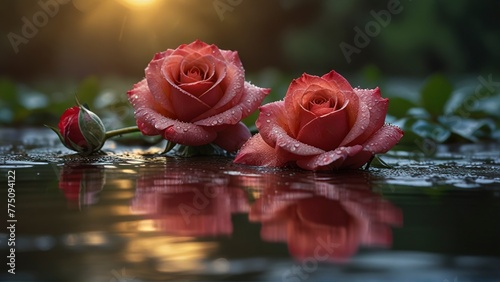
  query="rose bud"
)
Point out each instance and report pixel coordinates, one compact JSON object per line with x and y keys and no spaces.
{"x":81,"y":130}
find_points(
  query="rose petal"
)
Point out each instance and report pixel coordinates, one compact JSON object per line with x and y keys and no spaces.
{"x":158,"y":86}
{"x":380,"y":142}
{"x":384,"y":139}
{"x":143,"y":102}
{"x":152,"y":119}
{"x":195,"y":87}
{"x":233,"y":137}
{"x":272,"y":125}
{"x":251,"y":99}
{"x":233,"y":85}
{"x":325,"y":132}
{"x":357,"y":160}
{"x":185,"y":133}
{"x":212,"y":96}
{"x":187,"y":106}
{"x":371,"y":116}
{"x":257,"y":152}
{"x":199,"y":47}
{"x":341,"y":83}
{"x":329,"y":160}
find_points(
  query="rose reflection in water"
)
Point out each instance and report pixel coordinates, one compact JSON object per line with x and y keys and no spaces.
{"x":81,"y":184}
{"x":189,"y":202}
{"x":326,"y":217}
{"x":326,"y":221}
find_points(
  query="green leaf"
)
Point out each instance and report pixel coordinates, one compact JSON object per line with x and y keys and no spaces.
{"x":190,"y":151}
{"x":418,"y":113}
{"x":426,"y":129}
{"x":470,"y":129}
{"x":170,"y":145}
{"x":435,"y":93}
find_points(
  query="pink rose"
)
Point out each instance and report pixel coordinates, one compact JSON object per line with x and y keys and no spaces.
{"x":195,"y":95}
{"x":323,"y":123}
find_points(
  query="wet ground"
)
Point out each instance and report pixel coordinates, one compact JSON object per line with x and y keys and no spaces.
{"x":132,"y":215}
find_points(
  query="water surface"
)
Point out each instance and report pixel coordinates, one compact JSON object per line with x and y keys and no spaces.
{"x":133,"y":215}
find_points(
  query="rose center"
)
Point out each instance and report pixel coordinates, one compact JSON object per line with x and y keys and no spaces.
{"x":195,"y":73}
{"x":321,"y":105}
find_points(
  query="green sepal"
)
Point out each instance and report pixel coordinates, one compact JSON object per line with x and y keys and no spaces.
{"x":61,"y":138}
{"x":92,"y":129}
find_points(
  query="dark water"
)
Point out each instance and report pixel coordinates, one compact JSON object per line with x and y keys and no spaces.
{"x":133,"y":216}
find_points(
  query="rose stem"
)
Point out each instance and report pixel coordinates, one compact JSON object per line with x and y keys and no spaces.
{"x":125,"y":130}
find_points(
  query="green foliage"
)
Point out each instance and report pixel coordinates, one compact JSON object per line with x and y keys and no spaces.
{"x":447,"y":114}
{"x":44,"y":101}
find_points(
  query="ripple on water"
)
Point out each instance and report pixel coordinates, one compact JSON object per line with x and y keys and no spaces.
{"x":20,"y":164}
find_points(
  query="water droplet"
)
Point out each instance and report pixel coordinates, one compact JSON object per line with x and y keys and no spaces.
{"x":268,"y":120}
{"x":296,"y":145}
{"x":185,"y":129}
{"x":268,"y":114}
{"x":233,"y":112}
{"x":214,"y":122}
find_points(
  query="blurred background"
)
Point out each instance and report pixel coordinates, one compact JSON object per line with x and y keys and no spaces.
{"x":52,"y":49}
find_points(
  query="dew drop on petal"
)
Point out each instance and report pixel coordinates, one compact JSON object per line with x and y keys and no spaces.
{"x":268,"y":120}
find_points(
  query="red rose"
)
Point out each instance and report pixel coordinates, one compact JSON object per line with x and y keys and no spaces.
{"x":81,"y":130}
{"x":195,"y":95}
{"x":323,"y":123}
